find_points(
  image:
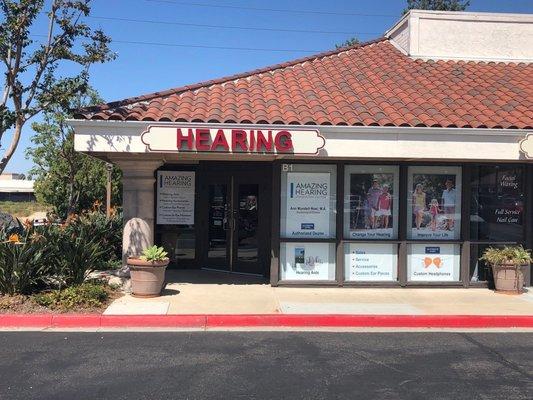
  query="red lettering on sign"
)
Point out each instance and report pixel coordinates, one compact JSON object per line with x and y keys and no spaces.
{"x":242,"y":140}
{"x":283,"y":141}
{"x":238,"y":137}
{"x":263,"y":142}
{"x":184,"y":138}
{"x":220,"y":140}
{"x":252,"y":141}
{"x":202,"y":139}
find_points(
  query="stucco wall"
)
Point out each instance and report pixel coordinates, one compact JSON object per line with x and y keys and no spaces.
{"x":465,"y":36}
{"x":122,"y":138}
{"x":400,"y":37}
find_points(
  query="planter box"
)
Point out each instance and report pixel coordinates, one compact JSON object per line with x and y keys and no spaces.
{"x":147,"y":277}
{"x":508,"y":278}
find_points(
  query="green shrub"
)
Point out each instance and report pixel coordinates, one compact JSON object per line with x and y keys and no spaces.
{"x":107,"y":230}
{"x":86,"y":296}
{"x":59,"y":255}
{"x":516,"y":255}
{"x":25,"y":262}
{"x":84,"y":243}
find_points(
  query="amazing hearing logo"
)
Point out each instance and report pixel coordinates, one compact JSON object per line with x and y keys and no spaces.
{"x":308,"y":189}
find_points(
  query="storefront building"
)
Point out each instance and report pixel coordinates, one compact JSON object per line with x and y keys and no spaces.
{"x":391,"y":163}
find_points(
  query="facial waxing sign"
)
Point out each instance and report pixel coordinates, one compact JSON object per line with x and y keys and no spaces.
{"x":168,"y":138}
{"x":175,"y":197}
{"x":308,"y":208}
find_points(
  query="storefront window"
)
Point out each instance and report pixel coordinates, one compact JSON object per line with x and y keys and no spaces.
{"x":370,"y":262}
{"x":433,"y":262}
{"x":308,"y":201}
{"x":497,"y":205}
{"x":175,"y":213}
{"x":179,"y":242}
{"x":434,"y":203}
{"x":308,"y":210}
{"x":370,"y":202}
{"x":308,"y":261}
{"x":479,"y":270}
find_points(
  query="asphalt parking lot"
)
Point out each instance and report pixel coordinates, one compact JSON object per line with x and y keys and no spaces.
{"x":265,"y":365}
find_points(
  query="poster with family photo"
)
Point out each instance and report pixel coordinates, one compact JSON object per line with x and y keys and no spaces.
{"x":371,"y":200}
{"x":434,"y":203}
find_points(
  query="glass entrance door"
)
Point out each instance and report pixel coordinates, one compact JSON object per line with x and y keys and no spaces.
{"x":219,"y":221}
{"x":236,"y":223}
{"x":246,"y":234}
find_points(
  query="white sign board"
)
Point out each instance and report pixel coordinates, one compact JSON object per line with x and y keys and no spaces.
{"x":308,"y":208}
{"x":306,"y":261}
{"x":184,"y":138}
{"x":175,"y":197}
{"x":433,"y":263}
{"x":371,"y":262}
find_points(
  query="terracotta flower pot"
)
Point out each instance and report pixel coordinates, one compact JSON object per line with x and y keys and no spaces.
{"x":508,"y":278}
{"x":147,"y":277}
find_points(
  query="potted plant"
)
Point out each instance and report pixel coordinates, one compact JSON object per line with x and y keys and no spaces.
{"x":148,"y":272}
{"x":508,"y":265}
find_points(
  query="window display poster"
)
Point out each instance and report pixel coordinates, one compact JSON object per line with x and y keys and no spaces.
{"x":175,"y":197}
{"x":435,"y":206}
{"x":509,"y":205}
{"x":371,"y":262}
{"x":433,"y":262}
{"x":308,"y":204}
{"x":307,"y":261}
{"x":371,"y":209}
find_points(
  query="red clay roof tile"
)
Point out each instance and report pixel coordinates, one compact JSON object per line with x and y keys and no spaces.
{"x":369,"y":84}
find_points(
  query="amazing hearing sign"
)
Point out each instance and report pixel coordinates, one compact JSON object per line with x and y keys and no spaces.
{"x":175,"y":197}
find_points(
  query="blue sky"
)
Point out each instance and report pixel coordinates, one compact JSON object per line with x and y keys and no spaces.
{"x":141,"y":69}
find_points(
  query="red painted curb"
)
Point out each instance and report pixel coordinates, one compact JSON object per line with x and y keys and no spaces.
{"x":76,"y":321}
{"x":153,"y":321}
{"x":263,"y":320}
{"x":25,"y":320}
{"x":406,"y":321}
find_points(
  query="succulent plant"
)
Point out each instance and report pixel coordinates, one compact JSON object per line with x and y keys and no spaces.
{"x":154,"y":253}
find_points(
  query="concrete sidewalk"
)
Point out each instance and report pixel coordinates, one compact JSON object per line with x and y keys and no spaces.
{"x":203,"y":292}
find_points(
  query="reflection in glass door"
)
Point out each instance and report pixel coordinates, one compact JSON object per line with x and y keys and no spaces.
{"x":247,"y":224}
{"x":218,"y":226}
{"x":235,"y":237}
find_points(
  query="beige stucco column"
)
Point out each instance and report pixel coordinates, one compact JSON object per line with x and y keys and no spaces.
{"x":138,"y":202}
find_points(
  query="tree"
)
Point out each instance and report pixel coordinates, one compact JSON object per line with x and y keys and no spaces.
{"x":347,"y":43}
{"x":437,"y":5}
{"x":31,"y":80}
{"x":68,"y":180}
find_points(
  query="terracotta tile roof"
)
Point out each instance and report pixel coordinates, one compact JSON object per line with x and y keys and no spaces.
{"x":372,"y":84}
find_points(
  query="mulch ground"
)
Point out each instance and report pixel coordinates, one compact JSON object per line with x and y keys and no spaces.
{"x":19,"y":304}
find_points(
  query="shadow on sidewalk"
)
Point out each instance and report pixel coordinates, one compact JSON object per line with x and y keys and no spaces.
{"x":197,"y":276}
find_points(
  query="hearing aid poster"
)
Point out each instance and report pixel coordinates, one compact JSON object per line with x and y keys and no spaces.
{"x":433,"y":263}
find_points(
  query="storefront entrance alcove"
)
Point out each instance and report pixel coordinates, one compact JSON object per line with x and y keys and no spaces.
{"x":232,"y":219}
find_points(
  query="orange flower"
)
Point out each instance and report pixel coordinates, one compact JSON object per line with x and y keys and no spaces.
{"x":14,"y":238}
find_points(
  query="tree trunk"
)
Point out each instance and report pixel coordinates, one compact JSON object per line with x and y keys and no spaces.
{"x":71,"y":200}
{"x":12,"y":146}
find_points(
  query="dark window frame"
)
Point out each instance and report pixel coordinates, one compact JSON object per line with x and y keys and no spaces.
{"x":464,"y":242}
